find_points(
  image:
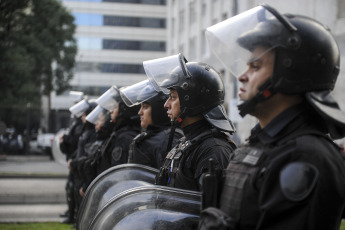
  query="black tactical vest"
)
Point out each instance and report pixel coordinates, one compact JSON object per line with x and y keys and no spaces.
{"x":173,"y":173}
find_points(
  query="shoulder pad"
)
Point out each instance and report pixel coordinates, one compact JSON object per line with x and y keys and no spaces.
{"x":297,"y":180}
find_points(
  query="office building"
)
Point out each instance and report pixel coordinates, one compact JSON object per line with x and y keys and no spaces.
{"x":114,"y":37}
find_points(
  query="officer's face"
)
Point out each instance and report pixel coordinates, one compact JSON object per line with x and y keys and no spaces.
{"x":83,"y":118}
{"x":114,"y":113}
{"x":173,"y":105}
{"x":145,"y":115}
{"x":99,"y":122}
{"x":260,"y":68}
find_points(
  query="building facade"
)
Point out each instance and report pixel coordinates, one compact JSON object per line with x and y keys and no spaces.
{"x":114,"y":37}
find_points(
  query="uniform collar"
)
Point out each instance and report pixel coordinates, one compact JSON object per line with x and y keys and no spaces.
{"x":196,"y":128}
{"x":272,"y":130}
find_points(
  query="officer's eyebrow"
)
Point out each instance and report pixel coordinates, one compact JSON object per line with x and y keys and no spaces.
{"x":172,"y":93}
{"x":254,"y":59}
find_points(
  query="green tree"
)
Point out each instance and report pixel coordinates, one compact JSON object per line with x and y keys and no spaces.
{"x":37,"y":55}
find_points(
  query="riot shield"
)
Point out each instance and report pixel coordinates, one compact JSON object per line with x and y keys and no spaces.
{"x":56,"y":152}
{"x":109,"y":184}
{"x":150,"y":208}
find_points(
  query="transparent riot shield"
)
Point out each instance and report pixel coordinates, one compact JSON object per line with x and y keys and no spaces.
{"x":109,"y":184}
{"x":57,"y":154}
{"x":150,"y":208}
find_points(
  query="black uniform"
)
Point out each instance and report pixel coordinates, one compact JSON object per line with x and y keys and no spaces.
{"x":102,"y":160}
{"x":290,"y":167}
{"x":85,"y":170}
{"x":68,"y":146}
{"x":188,"y":160}
{"x":150,"y":147}
{"x":85,"y":141}
{"x":69,"y":142}
{"x":114,"y":149}
{"x":120,"y":148}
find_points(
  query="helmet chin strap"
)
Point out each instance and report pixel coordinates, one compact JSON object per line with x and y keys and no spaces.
{"x":174,"y":124}
{"x":265,"y":92}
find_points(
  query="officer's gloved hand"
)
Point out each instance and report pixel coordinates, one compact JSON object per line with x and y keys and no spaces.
{"x":215,"y":219}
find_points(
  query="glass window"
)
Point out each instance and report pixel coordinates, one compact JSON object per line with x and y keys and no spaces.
{"x":133,"y":45}
{"x":148,"y":2}
{"x":192,"y":14}
{"x":181,"y":20}
{"x":173,"y":27}
{"x":203,"y":7}
{"x":192,"y":48}
{"x":108,"y":44}
{"x":90,"y":90}
{"x":88,"y":19}
{"x":84,"y":19}
{"x":134,"y":22}
{"x":95,"y":67}
{"x":89,"y":43}
{"x":203,"y":42}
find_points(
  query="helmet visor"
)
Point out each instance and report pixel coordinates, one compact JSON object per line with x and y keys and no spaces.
{"x":95,"y":114}
{"x":160,"y":70}
{"x":218,"y":118}
{"x":109,"y":99}
{"x":233,"y":40}
{"x":79,"y":108}
{"x":137,"y":93}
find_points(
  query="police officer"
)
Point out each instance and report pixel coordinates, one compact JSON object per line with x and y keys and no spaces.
{"x":126,"y":124}
{"x":150,"y":146}
{"x":86,"y":138}
{"x":196,"y":93}
{"x":290,"y":174}
{"x":100,"y":118}
{"x":68,"y":146}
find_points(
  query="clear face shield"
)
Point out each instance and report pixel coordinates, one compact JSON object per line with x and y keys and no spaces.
{"x":108,"y":100}
{"x":95,"y":114}
{"x":160,"y":71}
{"x":76,"y":95}
{"x":137,"y":93}
{"x":79,"y":108}
{"x":234,"y":40}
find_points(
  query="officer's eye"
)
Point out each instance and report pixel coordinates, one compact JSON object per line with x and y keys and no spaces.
{"x":254,"y":65}
{"x":145,"y":106}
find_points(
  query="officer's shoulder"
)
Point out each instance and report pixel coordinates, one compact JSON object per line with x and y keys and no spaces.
{"x":297,"y":180}
{"x":314,"y":144}
{"x":125,"y":134}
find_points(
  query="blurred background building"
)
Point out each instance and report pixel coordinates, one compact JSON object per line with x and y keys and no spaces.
{"x":116,"y":36}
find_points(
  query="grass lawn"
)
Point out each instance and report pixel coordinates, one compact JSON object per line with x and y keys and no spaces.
{"x":35,"y":226}
{"x":58,"y":226}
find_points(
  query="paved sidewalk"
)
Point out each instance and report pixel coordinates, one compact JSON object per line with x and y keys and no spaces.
{"x":31,"y":213}
{"x":26,"y":166}
{"x":32,"y":189}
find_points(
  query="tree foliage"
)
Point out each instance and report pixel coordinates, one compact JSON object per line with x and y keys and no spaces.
{"x":37,"y":53}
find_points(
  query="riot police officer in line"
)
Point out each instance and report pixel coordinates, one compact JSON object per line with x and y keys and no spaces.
{"x":196,"y":93}
{"x":68,"y":145}
{"x":290,"y":174}
{"x":86,"y":138}
{"x":126,"y":125}
{"x":150,"y":146}
{"x":101,"y":119}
